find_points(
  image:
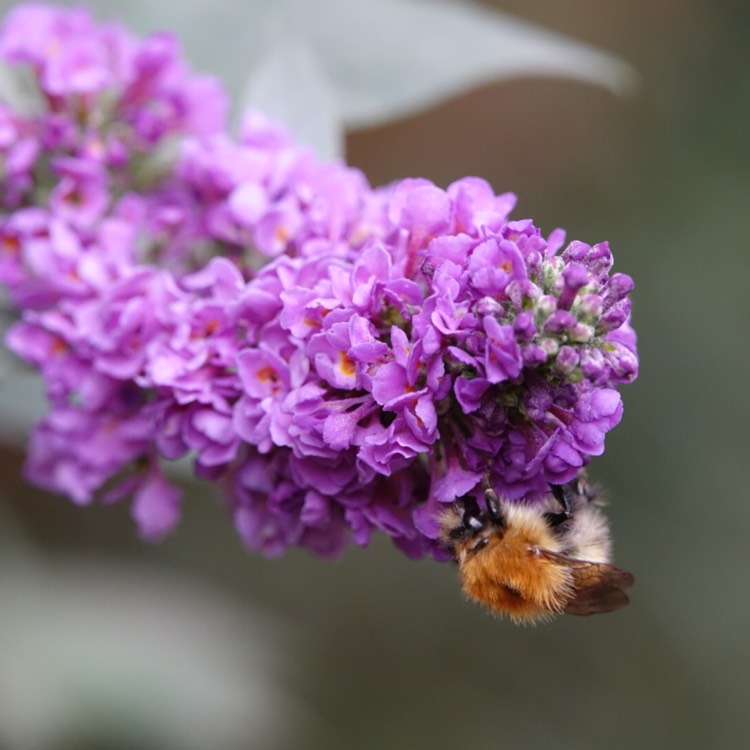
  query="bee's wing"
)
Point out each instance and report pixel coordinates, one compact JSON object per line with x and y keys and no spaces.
{"x":597,"y":587}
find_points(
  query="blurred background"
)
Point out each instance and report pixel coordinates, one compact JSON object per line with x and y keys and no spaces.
{"x":376,"y":651}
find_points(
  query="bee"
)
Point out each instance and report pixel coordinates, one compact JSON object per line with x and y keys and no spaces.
{"x":533,"y":561}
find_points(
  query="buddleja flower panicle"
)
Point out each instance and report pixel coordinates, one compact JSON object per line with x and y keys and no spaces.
{"x":341,"y":360}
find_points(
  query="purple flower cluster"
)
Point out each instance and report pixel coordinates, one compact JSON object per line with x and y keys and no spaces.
{"x":341,"y":360}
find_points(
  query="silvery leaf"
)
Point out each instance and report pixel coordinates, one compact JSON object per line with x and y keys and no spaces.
{"x":290,"y":86}
{"x":134,"y":658}
{"x":383,"y":59}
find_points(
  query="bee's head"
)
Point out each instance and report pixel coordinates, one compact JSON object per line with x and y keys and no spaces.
{"x":467,"y":528}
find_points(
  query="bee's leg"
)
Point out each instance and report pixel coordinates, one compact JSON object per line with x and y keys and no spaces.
{"x":561,"y":493}
{"x":492,"y":501}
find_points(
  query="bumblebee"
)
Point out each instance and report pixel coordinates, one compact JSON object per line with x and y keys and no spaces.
{"x":532,"y":561}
